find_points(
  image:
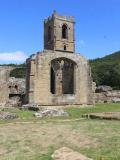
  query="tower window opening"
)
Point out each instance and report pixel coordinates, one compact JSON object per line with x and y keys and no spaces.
{"x":64,"y":31}
{"x":65,"y":48}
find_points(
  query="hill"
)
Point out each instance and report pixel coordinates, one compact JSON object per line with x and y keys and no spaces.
{"x":106,"y":70}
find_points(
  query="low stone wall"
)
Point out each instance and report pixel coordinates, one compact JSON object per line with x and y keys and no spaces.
{"x":103,"y":115}
{"x":108,"y":97}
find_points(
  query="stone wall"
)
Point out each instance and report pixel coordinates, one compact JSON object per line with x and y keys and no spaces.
{"x":4,"y":96}
{"x":108,"y":97}
{"x":4,"y":73}
{"x":10,"y":87}
{"x":68,"y":80}
{"x":4,"y":77}
{"x":38,"y":80}
{"x":16,"y":86}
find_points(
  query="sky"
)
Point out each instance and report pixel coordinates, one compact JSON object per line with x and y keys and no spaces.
{"x":97,"y":27}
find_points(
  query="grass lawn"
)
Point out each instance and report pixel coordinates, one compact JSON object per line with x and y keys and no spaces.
{"x":28,"y":138}
{"x":74,"y":113}
{"x":78,"y":112}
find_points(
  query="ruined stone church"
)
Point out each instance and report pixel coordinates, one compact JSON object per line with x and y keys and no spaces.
{"x":58,"y":75}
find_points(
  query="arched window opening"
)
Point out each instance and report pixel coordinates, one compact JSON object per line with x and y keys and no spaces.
{"x":65,"y":48}
{"x":62,"y":76}
{"x":49,"y":33}
{"x":64,"y":31}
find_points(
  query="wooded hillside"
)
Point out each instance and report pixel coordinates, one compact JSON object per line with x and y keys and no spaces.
{"x":106,"y":70}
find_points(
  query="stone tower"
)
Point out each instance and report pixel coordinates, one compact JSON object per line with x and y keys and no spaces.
{"x":58,"y":75}
{"x":59,"y":33}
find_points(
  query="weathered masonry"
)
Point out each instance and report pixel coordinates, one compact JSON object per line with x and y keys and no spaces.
{"x":58,"y":75}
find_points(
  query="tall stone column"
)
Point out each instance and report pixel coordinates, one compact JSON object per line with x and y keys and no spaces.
{"x":58,"y":82}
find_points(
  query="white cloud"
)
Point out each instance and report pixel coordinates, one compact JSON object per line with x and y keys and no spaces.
{"x":17,"y":56}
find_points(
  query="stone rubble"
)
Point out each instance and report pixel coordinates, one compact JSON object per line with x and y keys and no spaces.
{"x":105,"y":94}
{"x":103,"y":88}
{"x":116,"y":100}
{"x":14,"y":102}
{"x":51,"y":113}
{"x":68,"y":154}
{"x":32,"y":107}
{"x":7,"y":115}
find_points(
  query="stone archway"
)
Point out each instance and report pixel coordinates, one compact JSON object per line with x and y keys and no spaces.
{"x":62,"y":76}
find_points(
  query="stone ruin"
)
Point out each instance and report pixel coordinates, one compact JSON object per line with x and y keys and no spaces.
{"x":12,"y":90}
{"x":4,"y":91}
{"x":50,"y":112}
{"x":105,"y":94}
{"x":58,"y":75}
{"x":7,"y":115}
{"x":16,"y":88}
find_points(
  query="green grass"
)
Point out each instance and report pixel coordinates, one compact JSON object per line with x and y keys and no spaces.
{"x":25,"y":114}
{"x":105,"y":137}
{"x":74,"y":113}
{"x":22,"y":114}
{"x":98,"y":139}
{"x":43,"y":157}
{"x":78,"y":112}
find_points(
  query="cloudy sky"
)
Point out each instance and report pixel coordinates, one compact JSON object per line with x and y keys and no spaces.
{"x":21,"y":26}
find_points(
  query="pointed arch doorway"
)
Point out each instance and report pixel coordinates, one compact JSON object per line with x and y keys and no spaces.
{"x":62,"y":79}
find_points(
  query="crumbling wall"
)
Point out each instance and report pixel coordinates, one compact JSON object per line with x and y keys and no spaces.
{"x":4,"y":73}
{"x":4,"y":76}
{"x":107,"y":95}
{"x":39,"y":80}
{"x":12,"y":90}
{"x":4,"y":96}
{"x":16,"y":87}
